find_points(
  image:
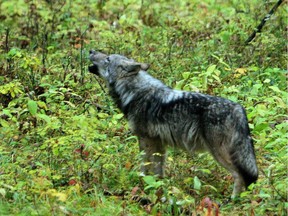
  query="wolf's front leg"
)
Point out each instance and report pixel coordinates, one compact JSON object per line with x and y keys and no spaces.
{"x":153,"y":158}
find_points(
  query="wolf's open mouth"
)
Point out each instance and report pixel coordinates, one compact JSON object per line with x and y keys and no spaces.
{"x":93,"y":69}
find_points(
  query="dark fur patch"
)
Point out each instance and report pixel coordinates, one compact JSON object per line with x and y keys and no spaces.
{"x":94,"y":69}
{"x":248,"y":177}
{"x":157,"y":112}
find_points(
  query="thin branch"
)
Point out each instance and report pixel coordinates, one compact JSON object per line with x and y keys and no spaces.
{"x":7,"y":49}
{"x":260,"y":26}
{"x":81,"y":54}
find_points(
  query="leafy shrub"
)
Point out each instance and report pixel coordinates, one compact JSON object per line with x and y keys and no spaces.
{"x":66,"y":150}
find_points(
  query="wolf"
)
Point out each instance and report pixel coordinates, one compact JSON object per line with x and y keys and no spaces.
{"x":161,"y":116}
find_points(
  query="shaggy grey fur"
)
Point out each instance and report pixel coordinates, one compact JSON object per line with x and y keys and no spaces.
{"x":161,"y":116}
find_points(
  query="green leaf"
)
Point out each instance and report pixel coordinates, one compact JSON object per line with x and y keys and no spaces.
{"x":3,"y":192}
{"x":4,"y":123}
{"x":7,"y":112}
{"x":118,"y":116}
{"x":152,"y":183}
{"x":14,"y":52}
{"x":186,"y":75}
{"x":275,"y":89}
{"x":225,"y":36}
{"x":149,"y":180}
{"x":42,"y":105}
{"x":32,"y":107}
{"x":204,"y":171}
{"x":211,"y":69}
{"x":216,"y":78}
{"x":102,"y":115}
{"x":197,"y":183}
{"x":44,"y":117}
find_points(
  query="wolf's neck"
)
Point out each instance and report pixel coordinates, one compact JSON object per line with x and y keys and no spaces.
{"x":142,"y":85}
{"x":141,"y":89}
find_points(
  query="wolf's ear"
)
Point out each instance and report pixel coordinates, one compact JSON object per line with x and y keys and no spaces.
{"x":136,"y":67}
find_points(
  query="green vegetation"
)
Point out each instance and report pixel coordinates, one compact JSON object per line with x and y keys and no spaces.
{"x":66,"y":150}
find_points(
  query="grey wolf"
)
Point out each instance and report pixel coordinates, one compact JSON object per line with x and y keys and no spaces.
{"x":161,"y":116}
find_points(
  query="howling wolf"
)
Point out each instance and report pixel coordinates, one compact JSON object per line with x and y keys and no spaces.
{"x":161,"y":116}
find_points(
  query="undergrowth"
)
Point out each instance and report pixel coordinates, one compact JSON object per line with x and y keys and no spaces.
{"x":66,"y":150}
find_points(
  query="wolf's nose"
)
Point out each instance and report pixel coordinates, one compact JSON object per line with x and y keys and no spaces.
{"x":92,"y":52}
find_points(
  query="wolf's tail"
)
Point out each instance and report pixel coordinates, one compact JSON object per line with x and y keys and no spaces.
{"x":242,"y":153}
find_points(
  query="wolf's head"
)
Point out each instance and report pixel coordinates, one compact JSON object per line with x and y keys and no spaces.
{"x":114,"y":67}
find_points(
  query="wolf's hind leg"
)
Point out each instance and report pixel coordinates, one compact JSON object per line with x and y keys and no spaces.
{"x":239,"y":184}
{"x":223,"y":157}
{"x":153,"y":157}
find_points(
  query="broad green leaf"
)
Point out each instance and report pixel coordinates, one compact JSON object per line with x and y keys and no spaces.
{"x":262,"y":110}
{"x":216,"y":78}
{"x":186,"y":75}
{"x":211,"y":69}
{"x":118,"y":116}
{"x":197,"y":183}
{"x":217,"y":72}
{"x":44,"y":117}
{"x":3,"y":192}
{"x":149,"y":180}
{"x":12,"y":93}
{"x":102,"y":115}
{"x":42,"y":105}
{"x":4,"y":123}
{"x":264,"y":195}
{"x":100,"y":136}
{"x":225,"y":36}
{"x":7,"y":112}
{"x":275,"y":89}
{"x":14,"y":52}
{"x":32,"y":107}
{"x":188,"y":180}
